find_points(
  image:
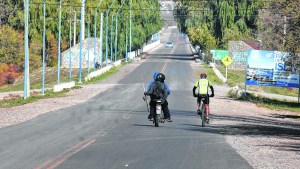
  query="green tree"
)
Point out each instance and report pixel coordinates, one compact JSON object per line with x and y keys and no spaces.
{"x":220,"y":17}
{"x":11,"y":46}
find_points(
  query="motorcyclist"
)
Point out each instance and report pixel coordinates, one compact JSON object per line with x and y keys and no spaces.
{"x":202,"y":86}
{"x":157,"y":76}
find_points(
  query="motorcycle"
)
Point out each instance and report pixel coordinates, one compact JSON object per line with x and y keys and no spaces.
{"x":158,"y":116}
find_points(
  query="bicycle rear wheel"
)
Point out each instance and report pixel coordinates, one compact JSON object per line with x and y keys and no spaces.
{"x":203,"y":118}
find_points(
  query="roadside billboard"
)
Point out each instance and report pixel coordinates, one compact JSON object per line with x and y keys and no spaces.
{"x":267,"y":68}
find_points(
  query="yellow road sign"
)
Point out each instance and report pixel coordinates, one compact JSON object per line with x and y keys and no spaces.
{"x":227,"y":60}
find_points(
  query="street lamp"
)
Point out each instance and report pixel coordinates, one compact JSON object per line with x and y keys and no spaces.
{"x":81,"y":37}
{"x":106,"y":51}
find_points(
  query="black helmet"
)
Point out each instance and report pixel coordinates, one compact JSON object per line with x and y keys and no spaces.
{"x":160,"y":77}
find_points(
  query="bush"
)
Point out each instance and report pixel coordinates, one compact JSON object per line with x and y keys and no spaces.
{"x":9,"y":73}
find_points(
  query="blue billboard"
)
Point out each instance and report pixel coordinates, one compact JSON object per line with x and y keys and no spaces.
{"x":267,"y":68}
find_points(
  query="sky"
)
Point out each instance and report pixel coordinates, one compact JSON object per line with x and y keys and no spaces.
{"x":261,"y":59}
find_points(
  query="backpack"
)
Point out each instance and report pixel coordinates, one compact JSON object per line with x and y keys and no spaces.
{"x":157,"y":90}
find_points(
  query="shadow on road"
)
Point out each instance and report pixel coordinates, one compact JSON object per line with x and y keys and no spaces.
{"x":252,"y":126}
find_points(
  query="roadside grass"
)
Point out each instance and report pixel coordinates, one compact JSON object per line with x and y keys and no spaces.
{"x":210,"y":75}
{"x":16,"y":100}
{"x":234,"y":77}
{"x":105,"y":75}
{"x":237,"y":78}
{"x":35,"y":96}
{"x":50,"y":79}
{"x":273,"y":104}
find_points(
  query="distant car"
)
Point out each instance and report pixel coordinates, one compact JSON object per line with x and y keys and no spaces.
{"x":169,"y":44}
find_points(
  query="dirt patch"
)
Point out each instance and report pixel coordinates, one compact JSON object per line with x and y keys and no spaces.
{"x":265,"y":138}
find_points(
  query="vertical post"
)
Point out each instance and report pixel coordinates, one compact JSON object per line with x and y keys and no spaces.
{"x":130,"y":42}
{"x":116,"y":35}
{"x":116,"y":39}
{"x":81,"y":37}
{"x":70,"y":50}
{"x":59,"y":37}
{"x":284,"y":29}
{"x":126,"y":41}
{"x":246,"y":75}
{"x":82,"y":19}
{"x":89,"y":44}
{"x":299,"y":88}
{"x":111,"y":38}
{"x":106,"y":45}
{"x":107,"y":30}
{"x":101,"y":40}
{"x":95,"y":34}
{"x":75,"y":20}
{"x":26,"y":66}
{"x":44,"y":44}
{"x":226,"y":72}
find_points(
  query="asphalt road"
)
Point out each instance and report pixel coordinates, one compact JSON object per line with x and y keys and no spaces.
{"x":111,"y":130}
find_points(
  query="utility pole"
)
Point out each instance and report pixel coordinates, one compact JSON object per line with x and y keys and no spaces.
{"x":59,"y":37}
{"x":101,"y":40}
{"x":82,"y":19}
{"x":44,"y":47}
{"x":81,"y":37}
{"x":111,"y":38}
{"x":95,"y":34}
{"x":106,"y":51}
{"x":26,"y":47}
{"x":116,"y":34}
{"x":70,"y":45}
{"x":70,"y":50}
{"x":130,"y":41}
{"x":89,"y":40}
{"x":75,"y":21}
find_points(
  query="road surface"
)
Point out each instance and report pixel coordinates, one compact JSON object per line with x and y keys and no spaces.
{"x":111,"y":130}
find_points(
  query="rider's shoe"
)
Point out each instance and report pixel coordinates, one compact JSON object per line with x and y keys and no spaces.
{"x":207,"y":120}
{"x":169,"y":119}
{"x":199,"y":112}
{"x":150,"y":118}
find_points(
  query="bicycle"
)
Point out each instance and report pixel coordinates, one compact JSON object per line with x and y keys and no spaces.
{"x":203,"y":113}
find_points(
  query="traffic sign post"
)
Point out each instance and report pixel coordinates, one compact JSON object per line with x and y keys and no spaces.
{"x":226,"y":61}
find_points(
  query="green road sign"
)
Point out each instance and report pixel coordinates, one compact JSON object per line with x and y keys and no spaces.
{"x":220,"y":54}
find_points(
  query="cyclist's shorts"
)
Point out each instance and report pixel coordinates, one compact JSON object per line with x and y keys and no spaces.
{"x":205,"y":97}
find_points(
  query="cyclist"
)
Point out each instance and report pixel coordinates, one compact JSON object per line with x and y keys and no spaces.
{"x":202,"y":86}
{"x":159,"y":77}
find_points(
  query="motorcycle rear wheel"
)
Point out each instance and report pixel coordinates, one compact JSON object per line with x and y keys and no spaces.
{"x":156,"y":120}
